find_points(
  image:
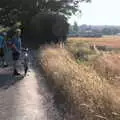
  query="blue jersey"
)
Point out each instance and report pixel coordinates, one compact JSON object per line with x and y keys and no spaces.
{"x":2,"y":42}
{"x":17,"y":42}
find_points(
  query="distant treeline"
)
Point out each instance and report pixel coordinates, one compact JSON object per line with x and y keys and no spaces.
{"x":93,"y":31}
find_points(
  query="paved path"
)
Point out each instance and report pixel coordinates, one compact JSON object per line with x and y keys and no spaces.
{"x":25,"y":98}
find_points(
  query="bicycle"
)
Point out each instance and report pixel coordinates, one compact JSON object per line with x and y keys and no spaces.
{"x":25,"y":59}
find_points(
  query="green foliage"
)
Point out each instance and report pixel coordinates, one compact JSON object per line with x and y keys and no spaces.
{"x":47,"y":28}
{"x":13,"y":10}
{"x":28,"y":12}
{"x":75,"y":27}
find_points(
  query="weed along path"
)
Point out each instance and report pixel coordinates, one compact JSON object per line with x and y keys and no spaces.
{"x":26,"y":98}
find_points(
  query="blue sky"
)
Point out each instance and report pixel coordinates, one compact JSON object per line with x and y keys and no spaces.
{"x":99,"y":12}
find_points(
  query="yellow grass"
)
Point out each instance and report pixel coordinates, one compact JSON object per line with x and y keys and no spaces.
{"x":107,"y":64}
{"x":91,"y":95}
{"x":112,"y":41}
{"x":92,"y":39}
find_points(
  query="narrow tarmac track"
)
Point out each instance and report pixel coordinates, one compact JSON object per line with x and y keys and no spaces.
{"x":26,"y":98}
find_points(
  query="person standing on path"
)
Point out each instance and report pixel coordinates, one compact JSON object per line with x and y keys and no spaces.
{"x":16,"y":50}
{"x":3,"y":48}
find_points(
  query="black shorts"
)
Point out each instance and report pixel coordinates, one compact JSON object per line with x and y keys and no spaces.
{"x":1,"y":52}
{"x":16,"y":55}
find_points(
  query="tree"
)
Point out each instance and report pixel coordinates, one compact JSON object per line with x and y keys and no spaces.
{"x":52,"y":28}
{"x":12,"y":11}
{"x":75,"y":27}
{"x":25,"y":9}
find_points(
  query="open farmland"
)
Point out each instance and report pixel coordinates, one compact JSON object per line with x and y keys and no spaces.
{"x":111,"y":41}
{"x":105,"y":62}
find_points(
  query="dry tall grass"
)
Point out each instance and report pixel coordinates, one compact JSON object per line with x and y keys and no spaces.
{"x":91,"y":95}
{"x":108,"y":65}
{"x":82,"y":50}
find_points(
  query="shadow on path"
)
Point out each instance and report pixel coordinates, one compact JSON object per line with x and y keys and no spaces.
{"x":7,"y":80}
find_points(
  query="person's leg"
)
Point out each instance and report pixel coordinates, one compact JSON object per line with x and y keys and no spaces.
{"x":15,"y":70}
{"x":0,"y":61}
{"x":15,"y":64}
{"x":1,"y":56}
{"x":4,"y":64}
{"x":5,"y":61}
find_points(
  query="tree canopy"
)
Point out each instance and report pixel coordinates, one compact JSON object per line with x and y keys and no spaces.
{"x":13,"y":10}
{"x":33,"y":15}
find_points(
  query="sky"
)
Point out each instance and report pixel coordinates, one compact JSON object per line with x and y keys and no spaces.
{"x":99,"y":12}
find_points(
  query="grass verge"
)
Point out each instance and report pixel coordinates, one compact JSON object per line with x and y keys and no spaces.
{"x":90,"y":95}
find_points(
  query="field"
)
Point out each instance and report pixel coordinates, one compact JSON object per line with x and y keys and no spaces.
{"x":112,"y":41}
{"x":105,"y":61}
{"x":89,"y":78}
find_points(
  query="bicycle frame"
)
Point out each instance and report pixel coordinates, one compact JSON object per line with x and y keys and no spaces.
{"x":25,"y":60}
